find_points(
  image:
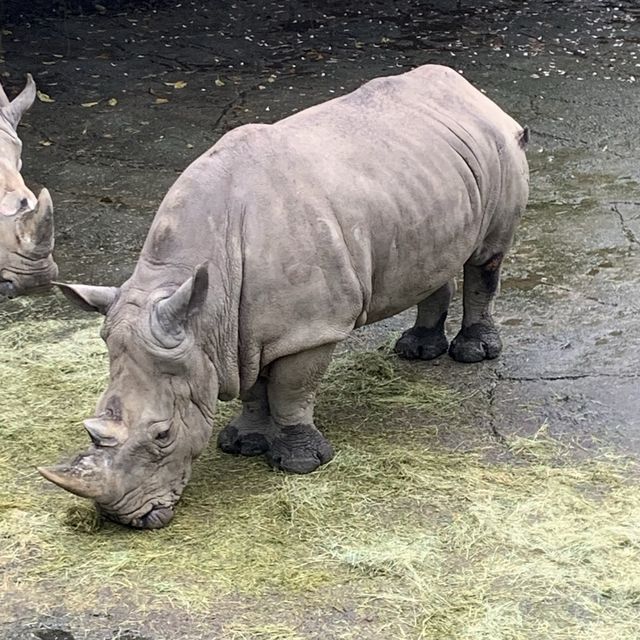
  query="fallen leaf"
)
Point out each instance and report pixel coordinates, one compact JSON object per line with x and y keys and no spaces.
{"x":180,"y":84}
{"x":89,"y":104}
{"x":43,"y":97}
{"x":219,"y":83}
{"x":160,"y":100}
{"x":49,"y":62}
{"x":112,"y":102}
{"x":45,"y":143}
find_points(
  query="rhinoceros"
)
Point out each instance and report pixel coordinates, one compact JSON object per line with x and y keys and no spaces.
{"x":26,"y":222}
{"x":268,"y":250}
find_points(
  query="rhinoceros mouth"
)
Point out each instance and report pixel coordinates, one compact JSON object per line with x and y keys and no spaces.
{"x":156,"y":517}
{"x":7,"y":289}
{"x":12,"y":290}
{"x":32,"y":278}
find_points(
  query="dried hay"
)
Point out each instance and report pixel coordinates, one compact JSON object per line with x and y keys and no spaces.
{"x":398,"y":537}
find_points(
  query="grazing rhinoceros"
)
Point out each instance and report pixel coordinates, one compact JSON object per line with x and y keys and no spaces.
{"x":26,"y":222}
{"x":268,"y":250}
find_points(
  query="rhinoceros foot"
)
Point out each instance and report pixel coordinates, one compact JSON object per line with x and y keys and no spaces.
{"x":233,"y":440}
{"x":299,"y":448}
{"x":421,"y":343}
{"x":476,"y":343}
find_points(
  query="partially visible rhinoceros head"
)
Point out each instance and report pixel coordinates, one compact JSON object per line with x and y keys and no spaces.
{"x":156,"y":414}
{"x":26,"y":243}
{"x":26,"y":222}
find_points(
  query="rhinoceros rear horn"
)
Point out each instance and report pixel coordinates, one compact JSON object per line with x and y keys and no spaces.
{"x":14,"y":110}
{"x":81,"y":481}
{"x":105,"y":433}
{"x":35,"y":228}
{"x":171,"y":314}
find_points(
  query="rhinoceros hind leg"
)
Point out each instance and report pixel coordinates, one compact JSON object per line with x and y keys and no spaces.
{"x":233,"y":440}
{"x":299,"y":448}
{"x":246,"y":434}
{"x":426,"y":339}
{"x":478,"y":339}
{"x":420,"y":343}
{"x":476,"y":343}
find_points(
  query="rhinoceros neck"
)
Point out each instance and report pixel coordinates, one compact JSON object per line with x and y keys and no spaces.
{"x":193,"y":226}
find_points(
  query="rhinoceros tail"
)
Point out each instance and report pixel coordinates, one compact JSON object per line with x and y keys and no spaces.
{"x":523,"y":138}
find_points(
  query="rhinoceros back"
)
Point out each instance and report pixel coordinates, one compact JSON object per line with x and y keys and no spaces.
{"x":347,"y":212}
{"x":357,"y":208}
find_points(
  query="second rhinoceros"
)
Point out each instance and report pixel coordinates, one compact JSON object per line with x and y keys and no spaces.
{"x":268,"y":250}
{"x":26,"y":222}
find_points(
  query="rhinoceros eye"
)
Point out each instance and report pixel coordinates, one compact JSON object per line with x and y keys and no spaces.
{"x":162,"y":435}
{"x":160,"y":431}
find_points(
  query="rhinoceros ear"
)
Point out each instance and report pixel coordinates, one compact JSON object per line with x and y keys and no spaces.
{"x":23,"y":101}
{"x":170,"y":315}
{"x":88,"y":297}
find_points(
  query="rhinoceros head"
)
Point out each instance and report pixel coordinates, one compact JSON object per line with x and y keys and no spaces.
{"x":156,"y":414}
{"x":26,"y":222}
{"x":26,"y":243}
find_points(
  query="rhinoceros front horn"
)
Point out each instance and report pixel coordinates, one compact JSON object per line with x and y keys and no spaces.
{"x":81,"y":480}
{"x":35,"y":228}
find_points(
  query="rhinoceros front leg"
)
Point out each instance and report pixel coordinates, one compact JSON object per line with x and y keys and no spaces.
{"x":478,"y":339}
{"x":246,"y":434}
{"x":295,"y":444}
{"x":426,"y":339}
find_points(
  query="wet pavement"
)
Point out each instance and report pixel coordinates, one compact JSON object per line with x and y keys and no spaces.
{"x":160,"y":84}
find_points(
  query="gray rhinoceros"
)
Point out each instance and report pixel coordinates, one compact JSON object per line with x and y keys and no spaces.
{"x":268,"y":250}
{"x":26,"y":222}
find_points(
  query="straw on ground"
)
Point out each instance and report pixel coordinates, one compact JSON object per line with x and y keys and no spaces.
{"x":398,"y":537}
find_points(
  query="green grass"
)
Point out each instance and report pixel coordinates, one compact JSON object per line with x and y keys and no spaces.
{"x":398,"y":537}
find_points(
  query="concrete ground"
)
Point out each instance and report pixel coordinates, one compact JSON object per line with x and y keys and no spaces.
{"x":170,"y":79}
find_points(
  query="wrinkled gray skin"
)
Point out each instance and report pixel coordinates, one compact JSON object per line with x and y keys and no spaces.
{"x":26,"y":222}
{"x":268,"y":250}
